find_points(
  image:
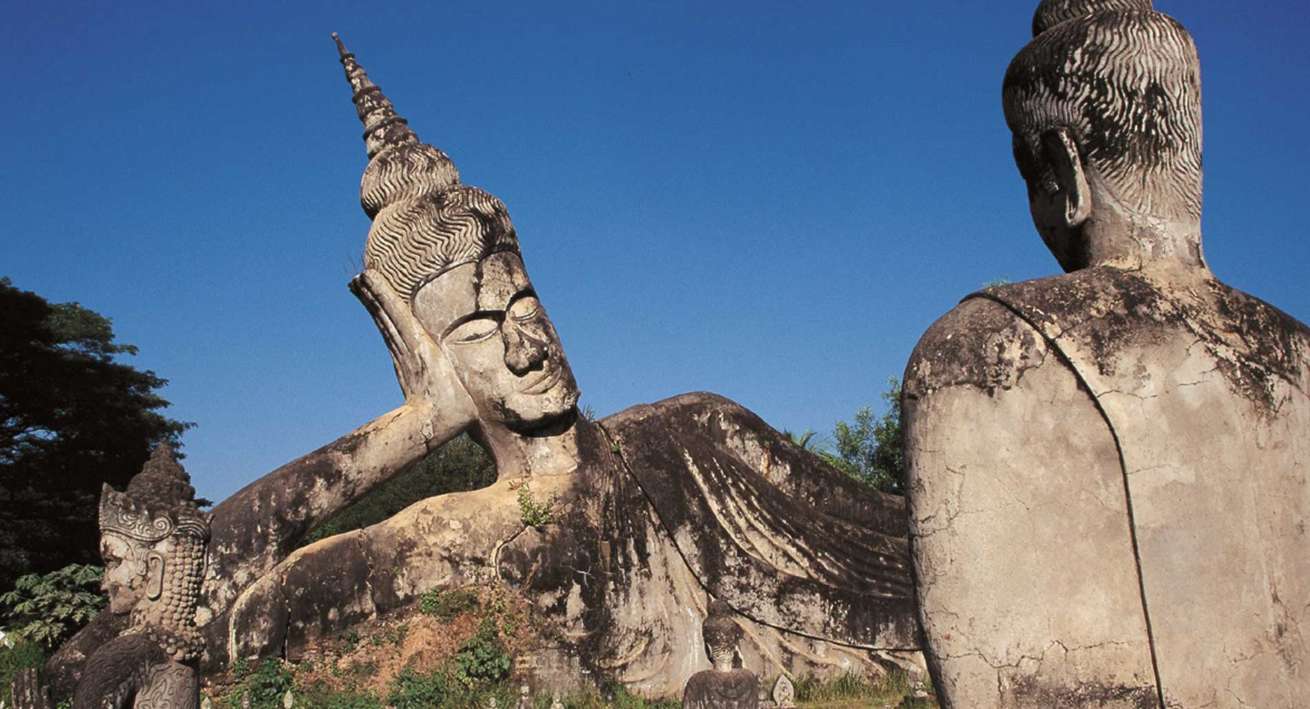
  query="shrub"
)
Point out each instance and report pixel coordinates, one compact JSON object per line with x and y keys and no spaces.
{"x":483,"y":658}
{"x":412,"y":690}
{"x":263,"y":688}
{"x":321,"y":696}
{"x":446,"y":605}
{"x":534,"y":513}
{"x":46,"y":609}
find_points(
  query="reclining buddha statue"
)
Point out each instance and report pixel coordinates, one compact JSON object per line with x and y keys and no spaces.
{"x":652,"y":507}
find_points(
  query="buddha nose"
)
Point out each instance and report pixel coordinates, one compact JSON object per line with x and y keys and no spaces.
{"x":523,"y":353}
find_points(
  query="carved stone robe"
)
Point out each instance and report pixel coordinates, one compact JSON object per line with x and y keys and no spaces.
{"x":132,"y":671}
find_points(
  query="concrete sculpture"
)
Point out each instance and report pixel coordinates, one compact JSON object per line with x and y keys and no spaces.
{"x":1108,"y":469}
{"x":725,"y":686}
{"x":153,"y":544}
{"x":649,"y":508}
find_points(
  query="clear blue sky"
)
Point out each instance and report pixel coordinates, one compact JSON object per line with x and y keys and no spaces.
{"x":756,"y":199}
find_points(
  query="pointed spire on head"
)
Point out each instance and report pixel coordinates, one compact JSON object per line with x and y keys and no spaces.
{"x":163,"y":480}
{"x":159,"y":501}
{"x":383,"y":127}
{"x":424,"y":221}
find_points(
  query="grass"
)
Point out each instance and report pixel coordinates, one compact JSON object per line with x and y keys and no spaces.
{"x":855,"y":692}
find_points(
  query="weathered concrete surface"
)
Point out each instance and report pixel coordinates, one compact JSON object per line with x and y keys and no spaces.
{"x":797,"y":546}
{"x":1021,"y":534}
{"x":624,"y":584}
{"x":1205,"y":388}
{"x":1018,"y":405}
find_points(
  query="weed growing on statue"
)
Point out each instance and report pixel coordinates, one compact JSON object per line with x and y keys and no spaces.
{"x":446,"y":605}
{"x":48,"y":608}
{"x":534,"y":513}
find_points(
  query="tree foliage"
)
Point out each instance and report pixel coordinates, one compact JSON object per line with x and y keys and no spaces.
{"x":71,"y":418}
{"x":47,"y":609}
{"x":869,"y":448}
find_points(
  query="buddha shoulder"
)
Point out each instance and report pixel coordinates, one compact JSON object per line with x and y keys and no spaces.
{"x":979,"y":344}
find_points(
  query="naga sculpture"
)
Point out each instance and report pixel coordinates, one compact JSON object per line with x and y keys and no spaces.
{"x":152,"y":540}
{"x":726,"y":686}
{"x":653,"y":506}
{"x":1108,"y":469}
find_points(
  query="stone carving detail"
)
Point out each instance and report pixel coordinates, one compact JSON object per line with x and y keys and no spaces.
{"x":726,"y":686}
{"x":153,"y":539}
{"x":1100,"y":458}
{"x":784,"y":693}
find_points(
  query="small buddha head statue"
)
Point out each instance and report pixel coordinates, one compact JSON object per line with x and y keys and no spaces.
{"x":722,"y":635}
{"x":152,"y":539}
{"x":450,"y":253}
{"x":1105,"y":109}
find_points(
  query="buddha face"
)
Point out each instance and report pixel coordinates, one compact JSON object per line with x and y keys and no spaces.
{"x":125,"y":573}
{"x":486,"y":318}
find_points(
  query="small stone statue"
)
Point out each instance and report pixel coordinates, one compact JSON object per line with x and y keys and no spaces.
{"x":784,"y":693}
{"x":152,"y":539}
{"x":725,"y":686}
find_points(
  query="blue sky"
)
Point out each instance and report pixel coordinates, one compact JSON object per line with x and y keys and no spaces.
{"x":764,"y":200}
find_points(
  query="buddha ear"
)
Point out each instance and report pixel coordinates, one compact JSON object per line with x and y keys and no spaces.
{"x":154,"y":575}
{"x":1061,"y":153}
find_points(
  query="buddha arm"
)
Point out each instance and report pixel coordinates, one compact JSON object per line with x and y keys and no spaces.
{"x":259,"y":525}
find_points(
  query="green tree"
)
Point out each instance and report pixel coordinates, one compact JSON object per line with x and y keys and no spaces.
{"x":71,"y":418}
{"x":869,"y":449}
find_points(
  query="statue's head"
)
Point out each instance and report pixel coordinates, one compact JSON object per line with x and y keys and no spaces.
{"x":152,"y":540}
{"x":450,"y":252}
{"x":1105,"y":109}
{"x":721,"y":634}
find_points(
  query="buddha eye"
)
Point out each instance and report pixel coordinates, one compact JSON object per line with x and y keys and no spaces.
{"x":474,"y":330}
{"x":525,"y":308}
